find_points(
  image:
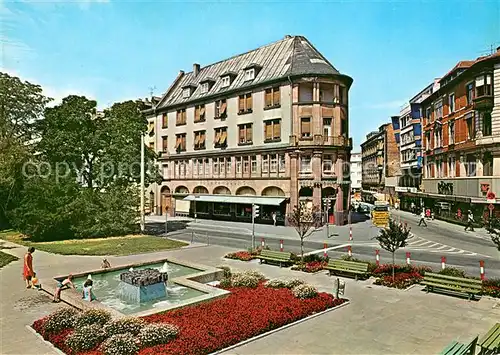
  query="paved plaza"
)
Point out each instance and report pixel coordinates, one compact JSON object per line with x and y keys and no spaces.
{"x":379,"y":320}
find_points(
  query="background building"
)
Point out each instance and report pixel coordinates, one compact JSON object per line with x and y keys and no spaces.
{"x":462,"y":139}
{"x":356,"y":172}
{"x":380,"y":164}
{"x":267,"y":127}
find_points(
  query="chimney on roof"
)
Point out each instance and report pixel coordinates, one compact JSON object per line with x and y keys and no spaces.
{"x":196,"y":69}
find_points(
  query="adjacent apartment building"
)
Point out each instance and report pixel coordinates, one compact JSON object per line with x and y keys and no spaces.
{"x":268,"y":127}
{"x":380,"y":164}
{"x":462,"y":138}
{"x":356,"y":172}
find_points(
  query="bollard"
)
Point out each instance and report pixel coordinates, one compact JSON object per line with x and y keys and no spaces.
{"x":443,"y":262}
{"x":324,"y":250}
{"x":481,"y":269}
{"x":262,"y":243}
{"x":349,"y":250}
{"x":377,"y":257}
{"x":408,"y":258}
{"x":350,"y":232}
{"x":281,"y":245}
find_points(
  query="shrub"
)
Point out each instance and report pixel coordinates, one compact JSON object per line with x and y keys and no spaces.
{"x":130,"y":325}
{"x":256,"y":274}
{"x":276,"y":283}
{"x":227,"y":270}
{"x":93,"y":316}
{"x":244,"y":280}
{"x":304,"y":291}
{"x":86,"y":338}
{"x":371,"y":265}
{"x":310,"y":267}
{"x":401,"y":280}
{"x":451,"y":271}
{"x":315,"y":257}
{"x":491,"y":287}
{"x":225,"y":282}
{"x":386,"y":269}
{"x":64,"y":318}
{"x":157,"y":333}
{"x":293,"y":283}
{"x":240,"y":255}
{"x":120,"y":344}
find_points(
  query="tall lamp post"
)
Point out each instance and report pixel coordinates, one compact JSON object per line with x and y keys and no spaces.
{"x":143,"y":220}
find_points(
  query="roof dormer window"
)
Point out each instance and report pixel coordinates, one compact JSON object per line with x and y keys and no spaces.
{"x":204,"y":88}
{"x":186,"y":93}
{"x":250,"y":74}
{"x":226,"y":81}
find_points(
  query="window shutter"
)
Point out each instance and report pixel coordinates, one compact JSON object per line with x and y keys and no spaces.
{"x":249,"y":133}
{"x":269,"y":98}
{"x":241,"y":103}
{"x":164,"y":120}
{"x":223,"y":137}
{"x":242,"y":133}
{"x":217,"y":136}
{"x":202,"y":111}
{"x":202,"y":138}
{"x":165,"y":144}
{"x":269,"y":130}
{"x":249,"y":101}
{"x":277,"y":130}
{"x":196,"y":138}
{"x":177,"y":142}
{"x":306,"y":126}
{"x":276,"y":96}
{"x":223,"y":108}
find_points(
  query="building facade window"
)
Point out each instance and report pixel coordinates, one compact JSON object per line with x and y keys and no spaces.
{"x":327,"y":128}
{"x":246,"y":165}
{"x":245,"y":103}
{"x":272,"y":97}
{"x":200,"y":167}
{"x":305,"y":127}
{"x":249,"y":74}
{"x":220,"y":109}
{"x":180,"y":143}
{"x":207,"y":167}
{"x":204,"y":88}
{"x":451,"y":132}
{"x":254,"y":164}
{"x":181,"y":117}
{"x":245,"y":133}
{"x":327,"y":164}
{"x":438,"y":110}
{"x":451,"y":166}
{"x":272,"y":131}
{"x":428,"y":114}
{"x":164,"y":143}
{"x":199,"y":113}
{"x":483,"y":85}
{"x":470,"y":127}
{"x":220,"y":135}
{"x":273,"y":164}
{"x":226,"y":81}
{"x":164,"y":120}
{"x":281,"y":163}
{"x":239,"y":165}
{"x":265,"y":163}
{"x":186,"y":93}
{"x":199,"y":140}
{"x":305,"y":164}
{"x":487,"y":126}
{"x":469,"y":89}
{"x":470,"y":165}
{"x":451,"y":103}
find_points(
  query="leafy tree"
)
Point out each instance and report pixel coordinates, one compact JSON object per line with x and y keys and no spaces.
{"x":392,"y":238}
{"x":493,"y":227}
{"x":21,"y":105}
{"x":305,"y":221}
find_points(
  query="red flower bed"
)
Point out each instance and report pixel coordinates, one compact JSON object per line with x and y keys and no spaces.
{"x":401,"y":280}
{"x":240,"y":255}
{"x":311,"y":267}
{"x":386,"y":269}
{"x":212,"y":326}
{"x":245,"y":313}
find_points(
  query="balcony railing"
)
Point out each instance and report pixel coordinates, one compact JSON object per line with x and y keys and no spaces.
{"x":484,"y":102}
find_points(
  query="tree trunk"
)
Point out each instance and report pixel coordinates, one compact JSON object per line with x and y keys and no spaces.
{"x":302,"y":248}
{"x":393,"y":262}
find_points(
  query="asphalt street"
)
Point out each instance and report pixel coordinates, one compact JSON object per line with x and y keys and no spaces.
{"x":427,"y":244}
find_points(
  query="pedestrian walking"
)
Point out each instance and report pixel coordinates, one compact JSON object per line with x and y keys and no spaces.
{"x":413,"y":208}
{"x":422,"y":218}
{"x":470,"y":221}
{"x":274,"y":218}
{"x":28,"y":272}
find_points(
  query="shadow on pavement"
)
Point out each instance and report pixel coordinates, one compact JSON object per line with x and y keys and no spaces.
{"x":357,"y":217}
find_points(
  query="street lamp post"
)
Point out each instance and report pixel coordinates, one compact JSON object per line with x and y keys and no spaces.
{"x":143,"y":221}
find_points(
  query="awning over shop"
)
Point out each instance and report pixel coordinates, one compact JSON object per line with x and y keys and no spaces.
{"x":240,"y":199}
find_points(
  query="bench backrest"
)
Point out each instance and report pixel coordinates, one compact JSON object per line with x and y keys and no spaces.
{"x":453,"y":280}
{"x":350,"y":265}
{"x":276,"y":254}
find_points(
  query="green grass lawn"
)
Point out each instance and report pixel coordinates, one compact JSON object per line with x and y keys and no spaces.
{"x":6,"y":259}
{"x":126,"y":245}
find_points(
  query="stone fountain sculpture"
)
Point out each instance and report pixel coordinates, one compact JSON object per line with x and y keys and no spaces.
{"x":143,"y":285}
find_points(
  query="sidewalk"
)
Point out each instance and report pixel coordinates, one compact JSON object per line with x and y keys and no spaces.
{"x":379,"y":320}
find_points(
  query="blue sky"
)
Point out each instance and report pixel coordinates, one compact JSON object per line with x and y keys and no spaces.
{"x":116,"y":50}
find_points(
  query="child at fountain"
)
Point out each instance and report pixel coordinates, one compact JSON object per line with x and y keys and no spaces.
{"x":34,"y":282}
{"x":87,"y":293}
{"x":66,"y":283}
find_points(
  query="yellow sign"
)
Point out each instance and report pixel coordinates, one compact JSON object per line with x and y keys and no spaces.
{"x":380,"y":219}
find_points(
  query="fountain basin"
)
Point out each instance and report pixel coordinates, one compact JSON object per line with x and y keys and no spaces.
{"x":186,"y":285}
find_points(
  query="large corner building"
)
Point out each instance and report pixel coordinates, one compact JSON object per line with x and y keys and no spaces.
{"x":266,"y":127}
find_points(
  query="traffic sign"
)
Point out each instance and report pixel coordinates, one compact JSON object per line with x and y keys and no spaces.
{"x":491,"y":207}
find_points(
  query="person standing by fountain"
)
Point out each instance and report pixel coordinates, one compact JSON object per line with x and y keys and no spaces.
{"x":66,"y":283}
{"x":87,"y":293}
{"x":28,"y":267}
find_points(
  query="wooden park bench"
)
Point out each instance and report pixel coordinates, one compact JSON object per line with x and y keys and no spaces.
{"x":490,"y":343}
{"x":456,"y":348}
{"x":460,"y":285}
{"x":347,"y":267}
{"x":279,"y":257}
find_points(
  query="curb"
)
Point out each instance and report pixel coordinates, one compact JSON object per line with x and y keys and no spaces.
{"x":49,"y":344}
{"x":249,"y":340}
